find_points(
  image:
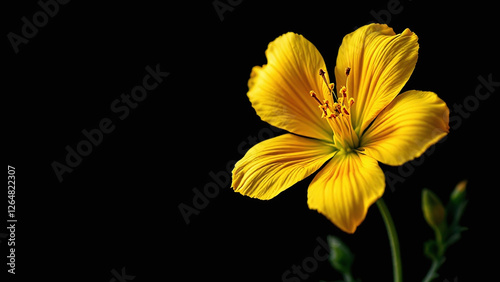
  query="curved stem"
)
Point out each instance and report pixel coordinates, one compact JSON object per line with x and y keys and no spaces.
{"x":393,"y":240}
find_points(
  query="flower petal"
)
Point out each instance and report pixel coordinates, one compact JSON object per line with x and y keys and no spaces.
{"x":274,"y":165}
{"x":380,"y":63}
{"x":413,"y":122}
{"x":345,"y":188}
{"x":279,"y":90}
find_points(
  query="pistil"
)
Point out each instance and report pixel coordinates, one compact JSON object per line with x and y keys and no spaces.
{"x":337,"y":113}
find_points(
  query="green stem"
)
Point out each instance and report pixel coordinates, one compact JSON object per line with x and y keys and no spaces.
{"x":393,"y":240}
{"x":439,"y":259}
{"x":431,"y":274}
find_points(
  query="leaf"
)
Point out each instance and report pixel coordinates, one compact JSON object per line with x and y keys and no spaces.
{"x":341,"y":257}
{"x":454,"y":235}
{"x":431,"y":249}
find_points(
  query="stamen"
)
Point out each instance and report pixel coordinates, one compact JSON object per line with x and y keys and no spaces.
{"x":329,"y":85}
{"x":344,"y":109}
{"x":313,"y":94}
{"x":347,"y":72}
{"x":321,"y":106}
{"x":339,"y":108}
{"x":322,"y":74}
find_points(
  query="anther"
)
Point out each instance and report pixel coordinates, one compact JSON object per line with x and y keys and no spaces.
{"x":347,"y":71}
{"x":351,"y":101}
{"x":313,"y":94}
{"x":322,"y":73}
{"x":343,"y":91}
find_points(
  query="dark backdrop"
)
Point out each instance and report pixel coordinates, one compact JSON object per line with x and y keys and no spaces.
{"x":115,"y":211}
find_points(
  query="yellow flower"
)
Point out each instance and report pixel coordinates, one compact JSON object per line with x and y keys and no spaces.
{"x":352,"y":129}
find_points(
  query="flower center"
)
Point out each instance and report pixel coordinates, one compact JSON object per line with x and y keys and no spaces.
{"x":336,"y":110}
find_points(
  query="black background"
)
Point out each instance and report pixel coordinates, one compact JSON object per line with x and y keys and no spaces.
{"x":119,"y":208}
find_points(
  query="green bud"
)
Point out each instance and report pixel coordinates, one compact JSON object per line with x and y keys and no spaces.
{"x":456,"y":206}
{"x":341,"y":257}
{"x":433,"y":209}
{"x":458,"y":195}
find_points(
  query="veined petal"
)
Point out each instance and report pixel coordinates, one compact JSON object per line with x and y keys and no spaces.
{"x":345,"y":188}
{"x":279,"y":90}
{"x":274,"y":165}
{"x":380,"y":63}
{"x":409,"y":125}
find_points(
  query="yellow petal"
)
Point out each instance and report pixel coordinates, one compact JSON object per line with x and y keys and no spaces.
{"x":279,"y":90}
{"x":345,"y":188}
{"x":413,"y":122}
{"x":380,"y":63}
{"x":274,"y":165}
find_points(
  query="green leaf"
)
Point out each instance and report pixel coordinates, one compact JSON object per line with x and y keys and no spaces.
{"x":431,"y":249}
{"x":454,"y":235}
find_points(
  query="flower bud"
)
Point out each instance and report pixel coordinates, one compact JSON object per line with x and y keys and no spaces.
{"x":433,"y":209}
{"x":458,"y":195}
{"x":456,"y":206}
